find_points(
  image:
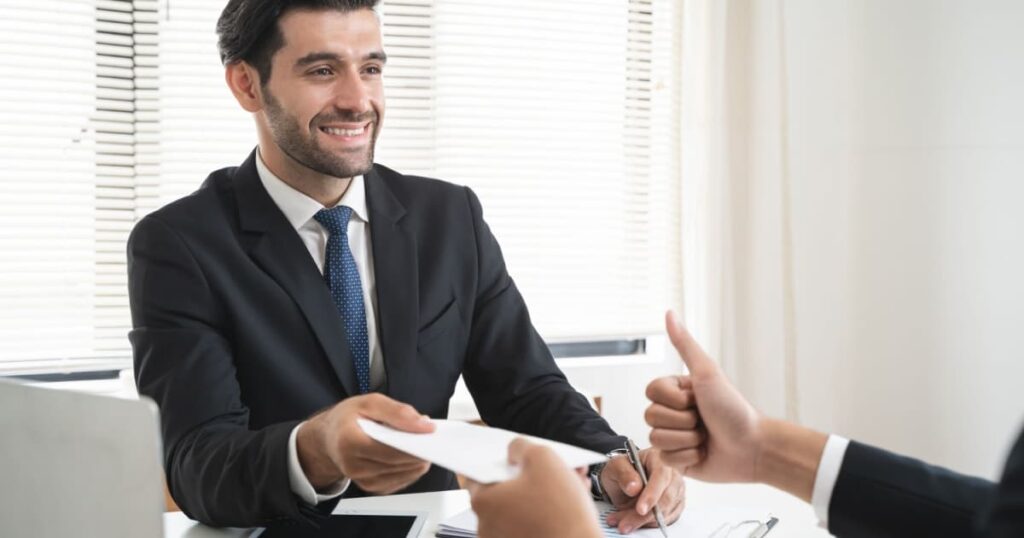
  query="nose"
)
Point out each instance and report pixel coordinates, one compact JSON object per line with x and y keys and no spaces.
{"x":351,"y":94}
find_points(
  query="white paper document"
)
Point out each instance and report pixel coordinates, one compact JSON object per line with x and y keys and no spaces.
{"x":693,"y":523}
{"x":479,"y":453}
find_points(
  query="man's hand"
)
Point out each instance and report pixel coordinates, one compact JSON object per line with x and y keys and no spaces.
{"x":731,"y":425}
{"x":633,"y":502}
{"x":738,"y":444}
{"x":546,"y":500}
{"x":331,"y":445}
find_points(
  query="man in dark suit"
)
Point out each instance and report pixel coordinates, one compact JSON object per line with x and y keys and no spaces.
{"x":309,"y":287}
{"x":708,"y":430}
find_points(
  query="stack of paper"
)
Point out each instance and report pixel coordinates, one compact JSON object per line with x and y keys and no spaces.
{"x":461,"y":525}
{"x":717,"y":522}
{"x":476,"y":452}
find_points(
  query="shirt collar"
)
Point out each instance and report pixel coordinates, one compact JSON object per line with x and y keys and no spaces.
{"x":299,"y":208}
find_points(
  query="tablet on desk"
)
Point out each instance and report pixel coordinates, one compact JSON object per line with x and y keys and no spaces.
{"x":345,"y":523}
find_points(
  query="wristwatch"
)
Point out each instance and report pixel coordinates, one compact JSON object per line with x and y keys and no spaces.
{"x":597,"y":492}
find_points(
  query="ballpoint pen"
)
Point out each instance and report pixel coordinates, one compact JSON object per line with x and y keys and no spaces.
{"x":634,"y":458}
{"x":763,"y":529}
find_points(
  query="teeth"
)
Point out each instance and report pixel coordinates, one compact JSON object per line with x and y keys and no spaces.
{"x":344,"y":132}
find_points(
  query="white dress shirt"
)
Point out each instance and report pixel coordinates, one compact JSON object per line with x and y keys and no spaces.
{"x":299,"y":209}
{"x":828,"y":473}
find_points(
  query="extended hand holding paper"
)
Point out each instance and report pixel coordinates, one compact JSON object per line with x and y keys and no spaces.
{"x":476,"y":452}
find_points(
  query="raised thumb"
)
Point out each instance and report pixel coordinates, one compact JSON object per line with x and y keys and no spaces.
{"x":696,"y":360}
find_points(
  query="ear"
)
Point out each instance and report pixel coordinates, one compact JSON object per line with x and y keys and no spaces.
{"x":244,"y":83}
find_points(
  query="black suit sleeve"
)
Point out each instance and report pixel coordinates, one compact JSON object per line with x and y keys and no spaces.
{"x":509,"y":369}
{"x":1005,"y":515}
{"x":880,"y":494}
{"x":218,"y":470}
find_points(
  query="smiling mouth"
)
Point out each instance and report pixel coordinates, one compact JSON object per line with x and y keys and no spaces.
{"x":349,"y":133}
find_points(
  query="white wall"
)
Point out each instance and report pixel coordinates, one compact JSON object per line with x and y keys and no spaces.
{"x":906,"y":162}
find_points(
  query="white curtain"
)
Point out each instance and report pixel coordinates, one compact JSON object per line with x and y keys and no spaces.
{"x":851,"y":191}
{"x":737,"y":252}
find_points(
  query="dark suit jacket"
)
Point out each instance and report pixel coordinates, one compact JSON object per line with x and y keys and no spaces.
{"x":880,"y":494}
{"x":237,"y":339}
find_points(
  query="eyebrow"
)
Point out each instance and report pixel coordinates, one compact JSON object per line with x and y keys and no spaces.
{"x":314,"y":57}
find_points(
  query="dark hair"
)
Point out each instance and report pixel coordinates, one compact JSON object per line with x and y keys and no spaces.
{"x":248,"y":30}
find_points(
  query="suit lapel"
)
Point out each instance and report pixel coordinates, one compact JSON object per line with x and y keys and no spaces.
{"x":276,"y":247}
{"x":396,"y":272}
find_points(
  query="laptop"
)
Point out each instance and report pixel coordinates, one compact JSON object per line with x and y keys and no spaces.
{"x":74,"y":464}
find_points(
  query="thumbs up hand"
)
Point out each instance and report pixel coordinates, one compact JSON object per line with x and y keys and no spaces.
{"x":722,"y":440}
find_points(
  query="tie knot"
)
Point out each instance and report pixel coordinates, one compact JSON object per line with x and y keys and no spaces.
{"x":334,"y":219}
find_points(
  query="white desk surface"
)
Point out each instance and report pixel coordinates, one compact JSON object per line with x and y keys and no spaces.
{"x":796,"y":519}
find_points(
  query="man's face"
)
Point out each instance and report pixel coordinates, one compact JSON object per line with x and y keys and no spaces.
{"x":324,"y":102}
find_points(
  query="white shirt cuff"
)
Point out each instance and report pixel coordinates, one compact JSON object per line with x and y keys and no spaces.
{"x":828,"y":473}
{"x":297,"y":478}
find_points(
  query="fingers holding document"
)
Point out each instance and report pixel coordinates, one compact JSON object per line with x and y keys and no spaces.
{"x":546,"y":500}
{"x":331,"y":445}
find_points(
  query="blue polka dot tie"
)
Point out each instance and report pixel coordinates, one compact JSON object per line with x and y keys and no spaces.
{"x":346,"y":289}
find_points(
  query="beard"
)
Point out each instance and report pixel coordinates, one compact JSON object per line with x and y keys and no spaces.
{"x":307,"y":151}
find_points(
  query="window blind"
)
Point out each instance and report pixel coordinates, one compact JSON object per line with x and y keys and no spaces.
{"x":560,"y":115}
{"x":408,"y":142}
{"x":202,"y":128}
{"x":545,"y":109}
{"x":122,"y":71}
{"x":48,"y":91}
